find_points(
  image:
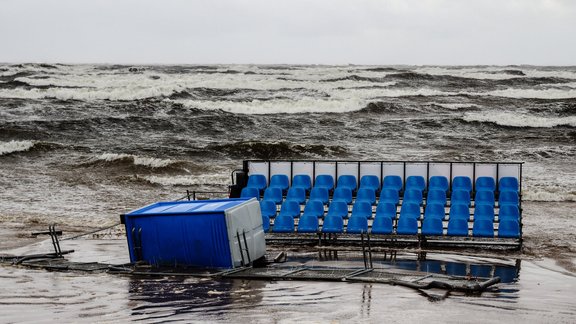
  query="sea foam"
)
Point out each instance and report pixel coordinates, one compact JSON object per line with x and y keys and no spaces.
{"x":519,"y":120}
{"x":15,"y":146}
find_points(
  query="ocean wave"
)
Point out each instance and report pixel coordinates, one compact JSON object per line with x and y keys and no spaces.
{"x":130,"y":160}
{"x":519,"y":120}
{"x":15,"y":146}
{"x":549,"y":193}
{"x":198,"y":181}
{"x":277,"y":150}
{"x":550,"y":93}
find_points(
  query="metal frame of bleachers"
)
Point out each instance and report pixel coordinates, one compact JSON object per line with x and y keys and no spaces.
{"x":403,"y":169}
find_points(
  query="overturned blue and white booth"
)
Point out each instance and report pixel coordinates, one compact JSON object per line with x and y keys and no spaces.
{"x":431,"y":202}
{"x":224,"y":233}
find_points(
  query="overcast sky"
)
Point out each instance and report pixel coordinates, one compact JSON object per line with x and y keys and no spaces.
{"x":541,"y":32}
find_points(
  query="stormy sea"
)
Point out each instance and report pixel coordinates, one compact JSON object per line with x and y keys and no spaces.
{"x":81,"y":144}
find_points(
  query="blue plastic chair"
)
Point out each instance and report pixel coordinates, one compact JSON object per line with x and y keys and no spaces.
{"x":509,"y":228}
{"x":485,"y":184}
{"x":338,"y":208}
{"x":509,"y":212}
{"x":415,"y":183}
{"x":273,"y":194}
{"x":508,"y":184}
{"x":268,"y":208}
{"x":389,"y":196}
{"x":370,"y":182}
{"x":407,"y":226}
{"x":357,"y":225}
{"x":290,"y":208}
{"x":314,"y":208}
{"x":367,"y":195}
{"x":296,"y":194}
{"x":508,"y":198}
{"x":302,"y":181}
{"x":385,"y":209}
{"x":432,"y":226}
{"x":460,"y":197}
{"x":438,"y":183}
{"x":484,"y":212}
{"x":283,"y":224}
{"x":392,"y":182}
{"x":257,"y":181}
{"x":250,"y":192}
{"x":412,"y":196}
{"x":325,"y":181}
{"x":319,"y":194}
{"x":484,"y":197}
{"x":434,"y":211}
{"x":436,"y":196}
{"x":265,"y":223}
{"x":342,"y":194}
{"x":362,"y":209}
{"x":457,"y":227}
{"x":279,"y":181}
{"x":483,"y":228}
{"x":462,"y":183}
{"x":409,"y":210}
{"x":308,"y":224}
{"x":347,"y":181}
{"x":382,"y":226}
{"x":333,"y":224}
{"x":460,"y":211}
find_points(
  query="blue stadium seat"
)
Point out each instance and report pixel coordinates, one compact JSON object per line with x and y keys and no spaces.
{"x":257,"y":181}
{"x":386,"y":209}
{"x":290,"y":208}
{"x":412,"y":196}
{"x":436,"y":196}
{"x":325,"y":181}
{"x":268,"y":208}
{"x":314,"y":208}
{"x":333,"y":224}
{"x":509,"y":228}
{"x":415,"y":183}
{"x":319,"y":194}
{"x":434,"y":211}
{"x":462,"y":183}
{"x":370,"y":182}
{"x":302,"y":181}
{"x":273,"y":194}
{"x":484,"y":197}
{"x":432,"y":226}
{"x":483,"y":228}
{"x":438,"y":183}
{"x":265,"y":223}
{"x":357,"y":225}
{"x":283,"y":224}
{"x":308,"y":224}
{"x":347,"y":181}
{"x":342,"y":194}
{"x":392,"y":182}
{"x":509,"y":212}
{"x":362,"y":209}
{"x":485,"y":184}
{"x":338,"y":208}
{"x":407,"y":226}
{"x":460,"y":197}
{"x":367,"y":195}
{"x":279,"y":181}
{"x":382,"y":225}
{"x":457,"y":227}
{"x":250,"y":192}
{"x":508,"y":198}
{"x":460,"y":211}
{"x":296,"y":194}
{"x":389,"y":196}
{"x":484,"y":212}
{"x":508,"y":184}
{"x":409,"y":210}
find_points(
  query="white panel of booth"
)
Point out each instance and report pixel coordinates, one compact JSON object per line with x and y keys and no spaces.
{"x":439,"y":169}
{"x":281,"y":168}
{"x":371,"y":168}
{"x":303,"y":168}
{"x":485,"y":170}
{"x":463,"y":170}
{"x":509,"y":170}
{"x":326,"y":168}
{"x":259,"y":168}
{"x":393,"y":168}
{"x":417,"y":169}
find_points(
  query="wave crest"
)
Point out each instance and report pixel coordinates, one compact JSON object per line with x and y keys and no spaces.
{"x":15,"y":146}
{"x":519,"y":120}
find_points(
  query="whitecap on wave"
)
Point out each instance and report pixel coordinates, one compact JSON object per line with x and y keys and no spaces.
{"x":15,"y":146}
{"x":137,"y":160}
{"x":519,"y":120}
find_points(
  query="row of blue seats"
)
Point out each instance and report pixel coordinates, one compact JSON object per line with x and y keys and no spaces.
{"x":389,"y":210}
{"x":507,"y":228}
{"x":303,"y":181}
